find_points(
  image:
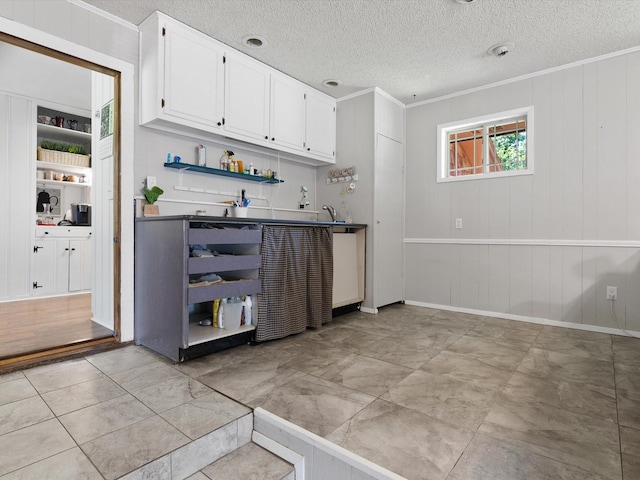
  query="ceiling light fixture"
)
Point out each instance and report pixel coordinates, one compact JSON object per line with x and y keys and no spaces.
{"x":253,"y":41}
{"x":463,"y":1}
{"x":501,"y":49}
{"x":331,"y":83}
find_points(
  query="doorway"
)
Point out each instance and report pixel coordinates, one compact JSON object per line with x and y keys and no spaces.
{"x":34,"y":325}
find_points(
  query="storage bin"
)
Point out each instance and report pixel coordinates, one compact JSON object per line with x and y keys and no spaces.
{"x":232,"y":314}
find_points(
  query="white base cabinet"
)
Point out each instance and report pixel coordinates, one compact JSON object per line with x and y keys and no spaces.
{"x":61,"y":264}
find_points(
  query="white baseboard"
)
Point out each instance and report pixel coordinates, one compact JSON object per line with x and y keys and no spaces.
{"x":523,"y":318}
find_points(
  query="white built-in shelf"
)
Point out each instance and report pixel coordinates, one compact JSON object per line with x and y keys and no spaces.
{"x":63,"y":134}
{"x":60,"y":183}
{"x":201,"y":334}
{"x":63,"y":167}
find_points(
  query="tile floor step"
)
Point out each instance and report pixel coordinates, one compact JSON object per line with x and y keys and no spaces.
{"x":249,"y":462}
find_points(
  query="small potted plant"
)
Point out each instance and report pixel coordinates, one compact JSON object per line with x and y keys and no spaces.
{"x":149,"y":209}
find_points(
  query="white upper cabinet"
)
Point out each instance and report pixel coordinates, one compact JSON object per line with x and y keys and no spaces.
{"x":287,"y":112}
{"x":191,"y":84}
{"x":246,"y":101}
{"x":320,"y":137}
{"x":181,"y":75}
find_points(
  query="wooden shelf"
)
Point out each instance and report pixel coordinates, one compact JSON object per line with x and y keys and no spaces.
{"x":185,"y":167}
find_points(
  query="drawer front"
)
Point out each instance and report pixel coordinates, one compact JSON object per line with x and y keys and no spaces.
{"x":224,"y":290}
{"x":223,"y":236}
{"x":63,"y":232}
{"x":223,"y":263}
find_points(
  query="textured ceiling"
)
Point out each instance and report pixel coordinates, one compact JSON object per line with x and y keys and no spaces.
{"x":412,"y":49}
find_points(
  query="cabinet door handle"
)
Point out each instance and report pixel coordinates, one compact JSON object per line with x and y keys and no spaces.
{"x":73,"y":249}
{"x":273,"y":139}
{"x":36,"y":248}
{"x":308,"y":149}
{"x":66,"y":249}
{"x":266,"y":137}
{"x":219,"y":124}
{"x":35,"y":285}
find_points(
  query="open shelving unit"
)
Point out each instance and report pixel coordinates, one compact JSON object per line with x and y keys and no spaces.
{"x":170,"y":309}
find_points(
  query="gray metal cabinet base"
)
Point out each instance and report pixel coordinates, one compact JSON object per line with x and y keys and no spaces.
{"x":167,"y":309}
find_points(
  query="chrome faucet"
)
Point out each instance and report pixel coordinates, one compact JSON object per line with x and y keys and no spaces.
{"x":331,"y":210}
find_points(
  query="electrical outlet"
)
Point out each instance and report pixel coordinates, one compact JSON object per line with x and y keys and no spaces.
{"x":612,"y":293}
{"x":458,"y":223}
{"x":151,"y":182}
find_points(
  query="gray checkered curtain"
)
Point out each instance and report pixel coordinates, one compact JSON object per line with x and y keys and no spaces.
{"x":297,"y":280}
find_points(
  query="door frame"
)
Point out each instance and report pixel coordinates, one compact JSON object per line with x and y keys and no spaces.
{"x":123,"y":75}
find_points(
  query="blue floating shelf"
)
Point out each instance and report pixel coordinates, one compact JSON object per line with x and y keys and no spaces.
{"x":223,"y":173}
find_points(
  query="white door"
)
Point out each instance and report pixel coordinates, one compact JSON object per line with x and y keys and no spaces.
{"x":320,"y":135}
{"x":193,"y":76}
{"x":287,"y":112}
{"x":246,"y":100}
{"x":388,"y":232}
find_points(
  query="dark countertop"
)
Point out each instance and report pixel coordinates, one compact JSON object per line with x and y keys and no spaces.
{"x":264,"y":221}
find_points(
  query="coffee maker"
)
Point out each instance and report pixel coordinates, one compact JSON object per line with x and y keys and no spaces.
{"x":81,"y":214}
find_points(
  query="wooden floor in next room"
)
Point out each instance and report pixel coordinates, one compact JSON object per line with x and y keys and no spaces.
{"x":35,"y":325}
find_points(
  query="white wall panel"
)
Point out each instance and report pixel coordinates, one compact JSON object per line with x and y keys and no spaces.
{"x":6,"y":9}
{"x":540,"y":285}
{"x":590,"y":152}
{"x":468,"y":267}
{"x":520,"y":280}
{"x":612,"y":270}
{"x":555,"y":283}
{"x":589,"y":285}
{"x":556,"y":151}
{"x":521,"y":207}
{"x":498,"y":207}
{"x":584,"y":189}
{"x":632,"y":291}
{"x":431,"y":265}
{"x":612,"y":151}
{"x":79,"y":32}
{"x":572,"y":153}
{"x":541,"y":195}
{"x":483,"y":277}
{"x":53,"y":16}
{"x":572,"y":284}
{"x":633,"y":146}
{"x":498,"y":280}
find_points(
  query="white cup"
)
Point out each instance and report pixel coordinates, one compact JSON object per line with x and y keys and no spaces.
{"x":240,"y":212}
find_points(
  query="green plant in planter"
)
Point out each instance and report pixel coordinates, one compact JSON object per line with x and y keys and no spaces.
{"x":152,"y":194}
{"x":63,"y":147}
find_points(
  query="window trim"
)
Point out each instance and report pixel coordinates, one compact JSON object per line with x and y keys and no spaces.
{"x":480,"y":122}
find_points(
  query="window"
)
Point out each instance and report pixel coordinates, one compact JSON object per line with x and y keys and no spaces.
{"x":496,"y":145}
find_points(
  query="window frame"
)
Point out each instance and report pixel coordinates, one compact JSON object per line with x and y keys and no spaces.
{"x":482,"y":123}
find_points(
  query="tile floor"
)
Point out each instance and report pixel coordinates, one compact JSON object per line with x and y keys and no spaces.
{"x":425,"y":393}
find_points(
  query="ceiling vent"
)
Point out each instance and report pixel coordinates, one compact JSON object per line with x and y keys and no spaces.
{"x":501,"y":49}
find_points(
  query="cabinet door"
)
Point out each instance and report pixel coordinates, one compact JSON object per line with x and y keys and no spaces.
{"x":79,"y":265}
{"x":320,"y":138}
{"x":246,"y":100}
{"x":43,"y":265}
{"x":193,"y":76}
{"x":287,"y":112}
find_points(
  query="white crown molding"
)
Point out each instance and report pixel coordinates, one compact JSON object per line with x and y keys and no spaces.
{"x":108,"y":16}
{"x":524,"y":77}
